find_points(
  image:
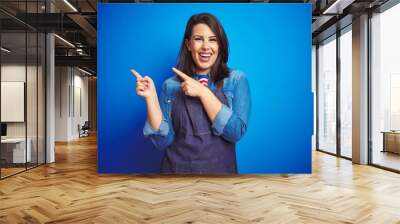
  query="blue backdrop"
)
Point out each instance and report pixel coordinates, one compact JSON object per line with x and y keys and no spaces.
{"x":271,"y":43}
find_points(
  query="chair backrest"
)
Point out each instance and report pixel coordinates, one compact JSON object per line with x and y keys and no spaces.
{"x":86,"y":125}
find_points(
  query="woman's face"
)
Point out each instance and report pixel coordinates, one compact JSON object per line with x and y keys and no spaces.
{"x":203,"y":46}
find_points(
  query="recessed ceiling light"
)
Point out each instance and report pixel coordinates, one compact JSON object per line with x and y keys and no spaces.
{"x":84,"y":71}
{"x":70,"y":5}
{"x":338,"y":6}
{"x":64,"y":40}
{"x":5,"y":50}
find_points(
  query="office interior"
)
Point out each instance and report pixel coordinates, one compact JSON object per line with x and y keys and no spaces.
{"x":49,"y":93}
{"x":47,"y":79}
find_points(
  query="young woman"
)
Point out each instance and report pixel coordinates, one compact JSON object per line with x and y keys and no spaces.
{"x":204,"y":110}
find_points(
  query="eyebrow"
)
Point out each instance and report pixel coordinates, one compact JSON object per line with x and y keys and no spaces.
{"x":203,"y":36}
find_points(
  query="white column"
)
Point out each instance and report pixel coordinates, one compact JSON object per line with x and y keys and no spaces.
{"x":360,"y":90}
{"x":50,"y":93}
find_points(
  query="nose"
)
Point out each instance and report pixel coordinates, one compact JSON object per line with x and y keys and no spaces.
{"x":205,"y":45}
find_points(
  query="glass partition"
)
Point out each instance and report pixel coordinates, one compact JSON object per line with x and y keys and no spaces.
{"x":14,"y":154}
{"x":22,"y":89}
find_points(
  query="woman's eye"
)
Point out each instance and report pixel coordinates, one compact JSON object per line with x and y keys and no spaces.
{"x":213,"y":40}
{"x":198,"y":38}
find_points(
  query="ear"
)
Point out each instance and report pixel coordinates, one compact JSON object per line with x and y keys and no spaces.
{"x":187,"y":43}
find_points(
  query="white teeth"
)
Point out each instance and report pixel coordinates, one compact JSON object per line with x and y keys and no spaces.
{"x":205,"y":55}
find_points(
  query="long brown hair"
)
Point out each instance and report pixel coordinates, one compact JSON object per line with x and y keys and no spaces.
{"x":220,"y":69}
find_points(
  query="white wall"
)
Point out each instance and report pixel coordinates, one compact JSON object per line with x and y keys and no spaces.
{"x":16,"y":73}
{"x":33,"y":127}
{"x":61,"y":103}
{"x":71,"y":93}
{"x":80,"y":102}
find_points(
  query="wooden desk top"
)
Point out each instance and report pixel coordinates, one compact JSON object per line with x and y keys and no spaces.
{"x":390,"y":132}
{"x":13,"y":140}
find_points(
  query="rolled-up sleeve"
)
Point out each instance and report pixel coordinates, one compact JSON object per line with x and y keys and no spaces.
{"x":221,"y":119}
{"x":163,"y":137}
{"x":164,"y":129}
{"x":231,"y":121}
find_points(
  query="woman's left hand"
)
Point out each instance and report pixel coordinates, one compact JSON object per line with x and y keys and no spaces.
{"x":190,"y":87}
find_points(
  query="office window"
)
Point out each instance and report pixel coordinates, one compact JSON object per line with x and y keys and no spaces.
{"x":314,"y":87}
{"x":327,"y":95}
{"x":385,"y":81}
{"x":346,"y":92}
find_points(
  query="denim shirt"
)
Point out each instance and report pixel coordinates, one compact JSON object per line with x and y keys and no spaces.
{"x":230,"y":123}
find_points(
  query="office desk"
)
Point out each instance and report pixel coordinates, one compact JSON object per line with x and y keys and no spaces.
{"x":391,"y":141}
{"x":13,"y":150}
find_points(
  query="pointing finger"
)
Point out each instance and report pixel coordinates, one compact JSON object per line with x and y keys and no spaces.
{"x":147,"y":79}
{"x":181,"y":74}
{"x":136,"y":74}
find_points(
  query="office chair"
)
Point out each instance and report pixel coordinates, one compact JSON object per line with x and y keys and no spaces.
{"x":84,"y":130}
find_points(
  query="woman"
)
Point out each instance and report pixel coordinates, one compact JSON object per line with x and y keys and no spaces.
{"x":204,"y":109}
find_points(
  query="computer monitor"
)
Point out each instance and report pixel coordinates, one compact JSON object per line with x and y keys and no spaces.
{"x":3,"y":129}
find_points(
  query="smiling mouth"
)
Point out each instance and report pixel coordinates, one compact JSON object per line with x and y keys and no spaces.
{"x":205,"y":57}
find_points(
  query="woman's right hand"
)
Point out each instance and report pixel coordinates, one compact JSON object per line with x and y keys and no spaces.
{"x":144,"y":86}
